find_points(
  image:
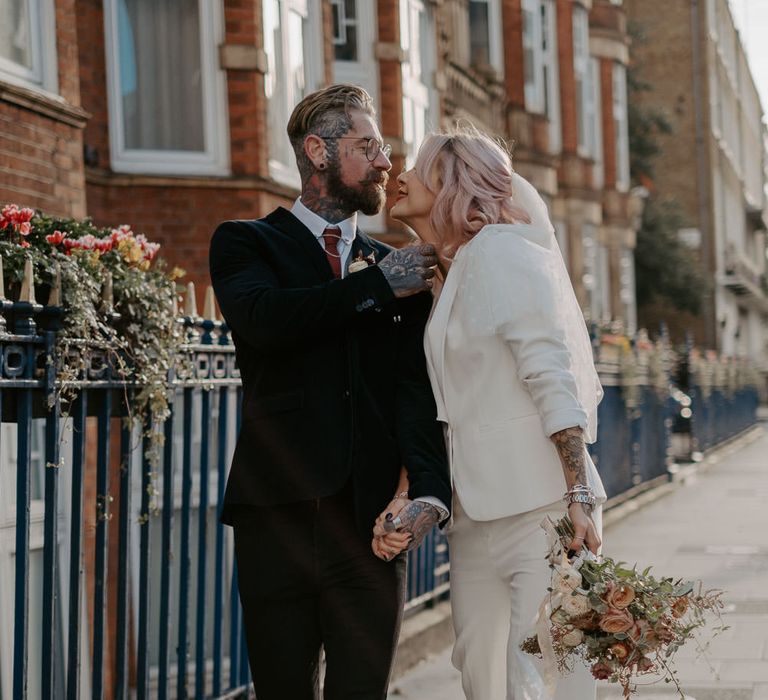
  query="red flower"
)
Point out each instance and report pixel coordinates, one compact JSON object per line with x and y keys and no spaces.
{"x":24,"y":244}
{"x":602,"y":671}
{"x":18,"y":219}
{"x":56,"y":237}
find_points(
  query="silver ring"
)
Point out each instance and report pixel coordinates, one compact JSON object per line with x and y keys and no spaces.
{"x":578,"y":538}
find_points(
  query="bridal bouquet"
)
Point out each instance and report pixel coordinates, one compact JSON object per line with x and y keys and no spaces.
{"x":623,"y":623}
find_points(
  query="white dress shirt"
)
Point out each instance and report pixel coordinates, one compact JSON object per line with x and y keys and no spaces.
{"x":317,"y":225}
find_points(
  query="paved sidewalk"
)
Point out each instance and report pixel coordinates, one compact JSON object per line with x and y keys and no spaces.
{"x":712,"y":527}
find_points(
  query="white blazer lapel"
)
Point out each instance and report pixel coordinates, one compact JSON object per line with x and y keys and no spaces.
{"x":435,"y":336}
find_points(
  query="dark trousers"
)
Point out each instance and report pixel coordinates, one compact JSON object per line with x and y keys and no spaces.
{"x":307,"y":579}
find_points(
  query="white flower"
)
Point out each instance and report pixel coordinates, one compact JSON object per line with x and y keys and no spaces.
{"x":573,"y":638}
{"x":566,"y":579}
{"x":575,"y":605}
{"x":357,"y":265}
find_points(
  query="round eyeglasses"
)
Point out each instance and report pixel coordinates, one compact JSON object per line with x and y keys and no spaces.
{"x":372,"y":146}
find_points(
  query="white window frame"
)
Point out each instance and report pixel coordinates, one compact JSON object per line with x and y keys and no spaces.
{"x":344,"y":23}
{"x":364,"y":71}
{"x":582,"y":72}
{"x":550,"y":64}
{"x":621,"y":126}
{"x":419,"y":94}
{"x":282,"y":163}
{"x":533,"y":49}
{"x":595,"y":274}
{"x":627,"y":294}
{"x":595,"y":124}
{"x":43,"y":75}
{"x":495,"y":48}
{"x":214,"y":160}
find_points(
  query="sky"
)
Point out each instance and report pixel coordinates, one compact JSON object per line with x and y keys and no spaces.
{"x":751,"y":17}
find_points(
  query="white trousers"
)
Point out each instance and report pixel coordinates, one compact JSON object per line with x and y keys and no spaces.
{"x":499,"y":576}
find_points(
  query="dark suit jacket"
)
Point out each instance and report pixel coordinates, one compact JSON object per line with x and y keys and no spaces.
{"x":334,"y":375}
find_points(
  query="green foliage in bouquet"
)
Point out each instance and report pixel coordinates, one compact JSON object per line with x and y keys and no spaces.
{"x":623,"y":623}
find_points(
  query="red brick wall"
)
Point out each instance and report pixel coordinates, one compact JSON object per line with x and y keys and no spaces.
{"x":41,"y":143}
{"x":40,"y":162}
{"x":514,"y":73}
{"x":93,"y":79}
{"x":181,"y":214}
{"x":245,"y":92}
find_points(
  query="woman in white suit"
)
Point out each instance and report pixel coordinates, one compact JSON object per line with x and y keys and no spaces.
{"x":511,"y":367}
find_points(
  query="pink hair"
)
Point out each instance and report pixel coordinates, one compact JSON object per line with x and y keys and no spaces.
{"x":470,"y":175}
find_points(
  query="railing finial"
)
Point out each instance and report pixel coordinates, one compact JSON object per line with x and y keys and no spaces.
{"x":107,"y":296}
{"x":190,"y":302}
{"x":55,"y":299}
{"x":28,"y":283}
{"x":209,"y":310}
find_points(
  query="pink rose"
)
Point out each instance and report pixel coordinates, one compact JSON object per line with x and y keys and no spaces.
{"x":616,"y":621}
{"x":620,"y":596}
{"x":620,"y":650}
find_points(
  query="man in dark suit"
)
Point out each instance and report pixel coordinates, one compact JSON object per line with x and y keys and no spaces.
{"x":328,"y":328}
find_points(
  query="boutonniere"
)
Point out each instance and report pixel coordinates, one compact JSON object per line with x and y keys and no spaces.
{"x":361,"y":261}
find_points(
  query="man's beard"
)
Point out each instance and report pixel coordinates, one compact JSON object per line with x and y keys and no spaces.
{"x":368,"y":197}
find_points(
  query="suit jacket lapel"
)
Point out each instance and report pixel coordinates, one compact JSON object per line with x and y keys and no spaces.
{"x":288,"y":224}
{"x":437,"y":330}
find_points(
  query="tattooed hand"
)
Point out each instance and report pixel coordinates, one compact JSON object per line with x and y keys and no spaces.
{"x":572,"y":452}
{"x":416,"y":519}
{"x":410,"y":270}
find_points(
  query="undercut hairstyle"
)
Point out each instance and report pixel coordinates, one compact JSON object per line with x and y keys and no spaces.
{"x":470,"y":175}
{"x":325,"y":113}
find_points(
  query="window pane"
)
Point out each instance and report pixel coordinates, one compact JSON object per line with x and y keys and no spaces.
{"x":160,"y":74}
{"x":344,"y":30}
{"x":15,"y":37}
{"x":479,"y":34}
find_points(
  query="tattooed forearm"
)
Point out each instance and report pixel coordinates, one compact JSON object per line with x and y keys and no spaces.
{"x":570,"y":447}
{"x":408,"y":269}
{"x":417,"y":518}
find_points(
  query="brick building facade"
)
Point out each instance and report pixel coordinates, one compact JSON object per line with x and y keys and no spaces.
{"x":713,"y":163}
{"x":171,"y":118}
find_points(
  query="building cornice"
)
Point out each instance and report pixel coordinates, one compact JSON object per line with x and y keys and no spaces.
{"x":44,"y":104}
{"x":608,"y":44}
{"x":107,"y":178}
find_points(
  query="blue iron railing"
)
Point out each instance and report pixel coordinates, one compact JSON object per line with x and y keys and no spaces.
{"x":139,"y":596}
{"x":135,"y":593}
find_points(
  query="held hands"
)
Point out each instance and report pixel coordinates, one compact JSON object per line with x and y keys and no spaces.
{"x":403,"y":525}
{"x":585,"y":532}
{"x":410,"y":270}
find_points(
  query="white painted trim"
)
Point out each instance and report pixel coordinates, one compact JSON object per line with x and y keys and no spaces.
{"x":44,"y":74}
{"x":550,"y":59}
{"x":364,"y":71}
{"x":532,"y":45}
{"x":215,"y":159}
{"x":286,"y":172}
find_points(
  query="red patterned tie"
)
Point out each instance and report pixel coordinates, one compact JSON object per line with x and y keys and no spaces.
{"x":331,"y":237}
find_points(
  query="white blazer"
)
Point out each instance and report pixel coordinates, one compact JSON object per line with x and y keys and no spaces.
{"x":500,"y":371}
